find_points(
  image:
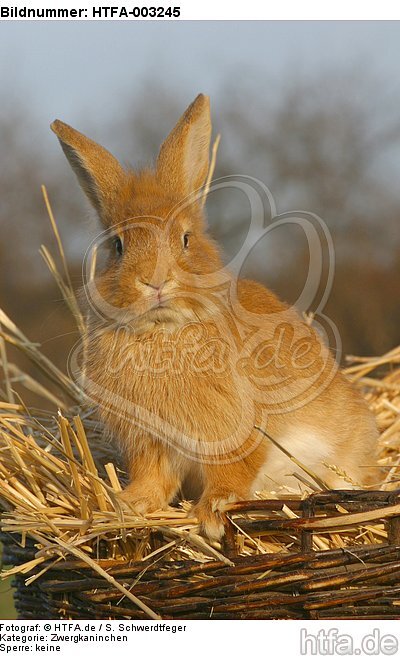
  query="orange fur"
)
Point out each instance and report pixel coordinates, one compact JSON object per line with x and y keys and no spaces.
{"x":183,"y":361}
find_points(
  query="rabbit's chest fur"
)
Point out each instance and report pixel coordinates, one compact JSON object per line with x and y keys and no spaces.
{"x":177,"y":385}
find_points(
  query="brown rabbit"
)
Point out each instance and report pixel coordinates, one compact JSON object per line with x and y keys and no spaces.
{"x":183,"y":360}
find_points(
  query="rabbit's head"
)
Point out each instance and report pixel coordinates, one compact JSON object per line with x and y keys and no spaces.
{"x":162,"y":267}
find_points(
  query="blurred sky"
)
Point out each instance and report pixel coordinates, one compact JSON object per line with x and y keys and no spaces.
{"x":67,"y":69}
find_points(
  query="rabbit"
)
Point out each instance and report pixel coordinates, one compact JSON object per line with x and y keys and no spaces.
{"x":203,"y":381}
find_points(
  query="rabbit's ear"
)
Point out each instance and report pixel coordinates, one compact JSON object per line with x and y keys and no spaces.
{"x":98,"y":172}
{"x":183,"y":162}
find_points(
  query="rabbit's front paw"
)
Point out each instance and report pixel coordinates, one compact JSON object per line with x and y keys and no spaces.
{"x":139,"y":502}
{"x":209,"y":512}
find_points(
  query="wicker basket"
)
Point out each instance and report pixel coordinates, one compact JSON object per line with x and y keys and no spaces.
{"x":360,"y":582}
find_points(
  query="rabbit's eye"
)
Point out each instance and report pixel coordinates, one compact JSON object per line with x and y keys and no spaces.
{"x":119,"y":248}
{"x":185,"y":240}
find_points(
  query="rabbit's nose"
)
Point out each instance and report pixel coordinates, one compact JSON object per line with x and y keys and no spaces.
{"x":157,"y":287}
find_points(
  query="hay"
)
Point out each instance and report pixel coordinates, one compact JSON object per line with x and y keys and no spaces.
{"x":59,"y":482}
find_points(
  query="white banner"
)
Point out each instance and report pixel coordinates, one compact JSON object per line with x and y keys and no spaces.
{"x":347,"y":638}
{"x":165,"y":10}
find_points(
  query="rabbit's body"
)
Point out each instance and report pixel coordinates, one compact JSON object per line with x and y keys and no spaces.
{"x":189,"y":361}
